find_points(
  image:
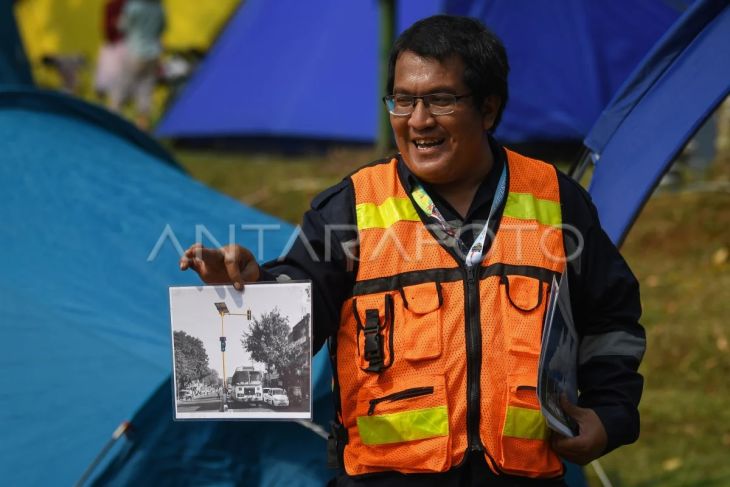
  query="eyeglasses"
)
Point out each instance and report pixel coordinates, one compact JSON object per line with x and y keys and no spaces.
{"x":436,"y":103}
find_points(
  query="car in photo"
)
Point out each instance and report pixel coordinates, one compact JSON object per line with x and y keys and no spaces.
{"x":276,"y":397}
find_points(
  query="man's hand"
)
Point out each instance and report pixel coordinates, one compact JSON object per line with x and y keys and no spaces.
{"x":231,"y":264}
{"x":591,"y":440}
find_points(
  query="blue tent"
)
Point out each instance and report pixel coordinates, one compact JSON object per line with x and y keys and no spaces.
{"x":289,"y":69}
{"x":664,"y":101}
{"x":568,"y":58}
{"x":14,"y":67}
{"x":94,"y":214}
{"x":308,"y":70}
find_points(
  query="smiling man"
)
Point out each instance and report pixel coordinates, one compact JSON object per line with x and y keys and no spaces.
{"x":431,"y":270}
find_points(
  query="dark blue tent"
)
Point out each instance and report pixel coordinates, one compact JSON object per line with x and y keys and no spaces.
{"x":664,"y":101}
{"x":308,"y":70}
{"x":290,"y":69}
{"x":568,"y":58}
{"x":93,"y":214}
{"x":14,"y":68}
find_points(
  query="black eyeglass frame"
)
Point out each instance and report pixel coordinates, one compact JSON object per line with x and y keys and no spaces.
{"x":389,"y":101}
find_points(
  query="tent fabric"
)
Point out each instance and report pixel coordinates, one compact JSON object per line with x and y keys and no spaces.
{"x":160,"y":451}
{"x":85,"y":336}
{"x":46,"y":101}
{"x":681,"y":81}
{"x":568,"y":58}
{"x":14,"y":68}
{"x":658,"y":60}
{"x":567,"y":61}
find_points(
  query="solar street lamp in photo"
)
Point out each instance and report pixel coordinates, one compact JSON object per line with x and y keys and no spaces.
{"x":223,"y":310}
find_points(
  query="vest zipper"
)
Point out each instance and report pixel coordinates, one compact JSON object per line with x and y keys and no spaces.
{"x":397,"y":396}
{"x":473,"y":332}
{"x":474,"y":358}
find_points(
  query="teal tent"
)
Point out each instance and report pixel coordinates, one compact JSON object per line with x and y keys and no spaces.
{"x":94,"y":214}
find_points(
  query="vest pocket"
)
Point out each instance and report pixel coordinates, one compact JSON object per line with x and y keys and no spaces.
{"x":374,"y":315}
{"x":523,"y":300}
{"x":403,"y":426}
{"x":525,"y":447}
{"x":422,"y":337}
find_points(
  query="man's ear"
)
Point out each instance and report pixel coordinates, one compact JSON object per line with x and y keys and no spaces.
{"x":490,"y":107}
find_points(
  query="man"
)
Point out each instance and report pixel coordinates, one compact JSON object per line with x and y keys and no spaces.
{"x":433,"y":294}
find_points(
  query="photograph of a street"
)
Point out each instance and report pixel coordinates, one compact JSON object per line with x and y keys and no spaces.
{"x":242,"y":355}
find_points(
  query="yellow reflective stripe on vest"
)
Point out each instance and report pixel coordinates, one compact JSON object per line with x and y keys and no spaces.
{"x":525,"y":206}
{"x":525,"y":423}
{"x":390,"y":211}
{"x":404,"y":426}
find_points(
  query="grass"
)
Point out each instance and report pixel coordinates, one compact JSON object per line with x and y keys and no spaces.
{"x":678,"y":248}
{"x":280,"y":185}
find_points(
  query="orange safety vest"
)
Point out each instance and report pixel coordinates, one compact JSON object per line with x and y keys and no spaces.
{"x":434,"y":359}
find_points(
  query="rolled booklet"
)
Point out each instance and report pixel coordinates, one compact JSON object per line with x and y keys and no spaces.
{"x":557,"y":369}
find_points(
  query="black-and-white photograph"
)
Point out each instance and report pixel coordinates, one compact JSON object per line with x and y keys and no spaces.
{"x":242,"y":355}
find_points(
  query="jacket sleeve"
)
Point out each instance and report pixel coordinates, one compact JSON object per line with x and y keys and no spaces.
{"x":323,"y":253}
{"x":606,"y":306}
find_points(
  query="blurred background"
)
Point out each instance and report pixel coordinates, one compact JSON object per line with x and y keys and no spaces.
{"x":271,"y":102}
{"x":74,"y":32}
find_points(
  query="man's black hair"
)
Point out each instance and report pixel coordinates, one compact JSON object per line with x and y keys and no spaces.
{"x":442,"y":36}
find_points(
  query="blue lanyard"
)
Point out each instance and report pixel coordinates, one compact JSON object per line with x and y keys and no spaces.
{"x":475,"y":254}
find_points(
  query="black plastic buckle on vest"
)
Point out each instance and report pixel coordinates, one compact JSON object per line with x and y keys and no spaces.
{"x":336,"y":441}
{"x":373,"y":341}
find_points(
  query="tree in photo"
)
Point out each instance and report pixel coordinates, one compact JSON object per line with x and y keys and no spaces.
{"x":191,"y":360}
{"x":269,"y":342}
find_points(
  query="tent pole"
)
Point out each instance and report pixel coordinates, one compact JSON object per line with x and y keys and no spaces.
{"x":605,"y":481}
{"x":121,"y":430}
{"x":386,"y":12}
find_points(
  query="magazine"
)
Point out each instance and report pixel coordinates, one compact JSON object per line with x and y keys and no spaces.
{"x":558,"y":359}
{"x":242,"y":355}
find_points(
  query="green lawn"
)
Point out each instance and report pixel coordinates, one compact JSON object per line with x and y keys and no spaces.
{"x":678,"y":249}
{"x":280,"y":185}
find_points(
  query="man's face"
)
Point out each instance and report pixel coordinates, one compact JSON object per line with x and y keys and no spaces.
{"x":441,"y":149}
